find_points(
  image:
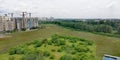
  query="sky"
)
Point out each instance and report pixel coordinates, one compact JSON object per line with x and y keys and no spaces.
{"x":63,"y":8}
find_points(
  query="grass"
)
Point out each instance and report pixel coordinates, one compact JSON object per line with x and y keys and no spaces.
{"x":71,"y":48}
{"x":104,"y":44}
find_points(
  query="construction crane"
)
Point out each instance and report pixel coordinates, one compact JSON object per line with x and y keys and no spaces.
{"x":23,"y":19}
{"x":11,"y":14}
{"x":29,"y":15}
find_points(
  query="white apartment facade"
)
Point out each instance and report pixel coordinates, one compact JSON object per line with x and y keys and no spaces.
{"x":10,"y":24}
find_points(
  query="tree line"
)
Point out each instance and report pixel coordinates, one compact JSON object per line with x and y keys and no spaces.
{"x":104,"y":26}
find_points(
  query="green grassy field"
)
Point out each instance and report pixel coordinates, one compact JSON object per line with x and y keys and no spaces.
{"x":104,"y":44}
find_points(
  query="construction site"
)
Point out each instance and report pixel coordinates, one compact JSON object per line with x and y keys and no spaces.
{"x":10,"y":23}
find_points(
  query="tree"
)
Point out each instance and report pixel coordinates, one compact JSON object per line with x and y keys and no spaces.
{"x":104,"y":28}
{"x":118,"y":30}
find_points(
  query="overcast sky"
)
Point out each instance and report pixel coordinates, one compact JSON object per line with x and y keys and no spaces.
{"x":64,"y":8}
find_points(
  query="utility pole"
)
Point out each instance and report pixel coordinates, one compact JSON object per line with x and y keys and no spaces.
{"x":11,"y":14}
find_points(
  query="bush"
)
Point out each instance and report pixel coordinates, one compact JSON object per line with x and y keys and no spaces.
{"x":29,"y":51}
{"x":12,"y":51}
{"x":23,"y":29}
{"x":19,"y":51}
{"x":16,"y":50}
{"x":63,"y":47}
{"x":52,"y":57}
{"x":73,"y":52}
{"x":11,"y":58}
{"x":29,"y":57}
{"x":53,"y":50}
{"x":66,"y":57}
{"x":38,"y":44}
{"x":72,"y":41}
{"x":73,"y":45}
{"x":46,"y":53}
{"x":74,"y":58}
{"x":59,"y":50}
{"x":49,"y":43}
{"x":35,"y":42}
{"x":45,"y":45}
{"x":40,"y":57}
{"x":45,"y":41}
{"x":82,"y":49}
{"x":61,"y":42}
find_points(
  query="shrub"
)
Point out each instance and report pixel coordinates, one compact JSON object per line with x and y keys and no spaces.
{"x":38,"y":44}
{"x":66,"y":57}
{"x":52,"y":57}
{"x":73,"y":45}
{"x":19,"y":50}
{"x":53,"y":50}
{"x":73,"y":52}
{"x":72,"y":41}
{"x":11,"y":58}
{"x":59,"y":50}
{"x":23,"y":29}
{"x":45,"y":41}
{"x":16,"y":50}
{"x":82,"y":49}
{"x":35,"y":42}
{"x":12,"y":51}
{"x":63,"y":47}
{"x":61,"y":42}
{"x":74,"y":58}
{"x":46,"y":53}
{"x":49,"y":43}
{"x":29,"y":57}
{"x":40,"y":57}
{"x":89,"y":43}
{"x":36,"y":52}
{"x":45,"y":45}
{"x":82,"y":40}
{"x":86,"y":42}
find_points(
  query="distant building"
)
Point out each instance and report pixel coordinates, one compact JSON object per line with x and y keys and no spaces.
{"x":51,"y":18}
{"x":9,"y":24}
{"x":1,"y":23}
{"x":46,"y":19}
{"x":109,"y":57}
{"x":28,"y":24}
{"x":6,"y":23}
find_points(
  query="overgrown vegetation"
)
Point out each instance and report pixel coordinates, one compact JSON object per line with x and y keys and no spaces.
{"x":55,"y":48}
{"x":104,"y":44}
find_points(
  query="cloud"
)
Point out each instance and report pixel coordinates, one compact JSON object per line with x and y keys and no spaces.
{"x":65,"y":8}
